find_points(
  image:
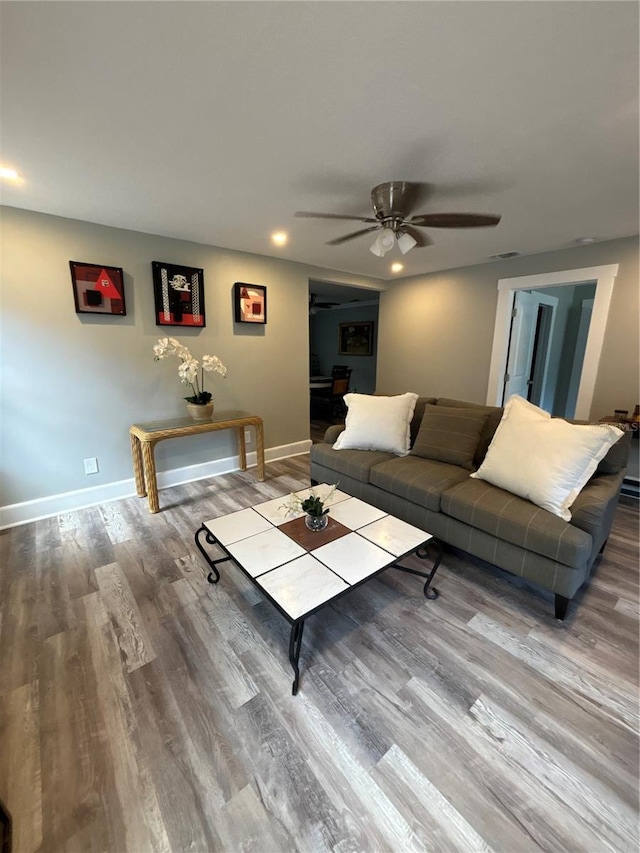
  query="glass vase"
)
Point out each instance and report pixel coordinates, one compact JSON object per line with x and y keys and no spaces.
{"x":316,"y":522}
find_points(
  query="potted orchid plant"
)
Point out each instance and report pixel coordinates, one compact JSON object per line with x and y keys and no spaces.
{"x":191,"y":372}
{"x":313,"y":506}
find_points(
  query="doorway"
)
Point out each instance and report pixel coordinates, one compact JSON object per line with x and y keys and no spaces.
{"x":530,"y":343}
{"x":602,"y":278}
{"x":332,"y":307}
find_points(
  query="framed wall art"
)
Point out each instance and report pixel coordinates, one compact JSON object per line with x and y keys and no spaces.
{"x":179,"y":295}
{"x":355,"y":338}
{"x":250,"y":303}
{"x":97,"y":289}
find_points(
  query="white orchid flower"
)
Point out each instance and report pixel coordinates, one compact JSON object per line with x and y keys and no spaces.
{"x":189,"y":367}
{"x":188,"y":371}
{"x":212,"y":362}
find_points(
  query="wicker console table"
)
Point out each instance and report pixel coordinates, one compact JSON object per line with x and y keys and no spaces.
{"x":144,"y":438}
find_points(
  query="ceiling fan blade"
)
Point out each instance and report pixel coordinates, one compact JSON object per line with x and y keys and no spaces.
{"x":420,"y":237}
{"x":306,"y":214}
{"x":353,"y":234}
{"x":454,"y":220}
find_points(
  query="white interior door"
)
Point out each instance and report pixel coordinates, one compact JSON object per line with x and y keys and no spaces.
{"x":523,"y":328}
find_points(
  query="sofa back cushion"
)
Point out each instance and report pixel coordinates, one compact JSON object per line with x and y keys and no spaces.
{"x":449,"y":434}
{"x":418,"y":412}
{"x":494,"y":415}
{"x":617,"y":456}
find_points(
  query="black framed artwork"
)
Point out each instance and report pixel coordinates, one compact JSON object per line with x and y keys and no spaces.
{"x":97,"y":289}
{"x":250,"y":303}
{"x":178,"y":293}
{"x":355,"y":338}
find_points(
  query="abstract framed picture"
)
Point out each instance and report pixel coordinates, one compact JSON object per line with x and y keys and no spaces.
{"x":178,"y":293}
{"x":250,"y":303}
{"x":355,"y":338}
{"x":97,"y":289}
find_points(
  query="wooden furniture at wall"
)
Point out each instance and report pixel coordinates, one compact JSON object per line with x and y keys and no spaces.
{"x":144,"y":438}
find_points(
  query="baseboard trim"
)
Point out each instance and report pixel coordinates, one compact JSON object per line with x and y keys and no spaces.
{"x":22,"y":513}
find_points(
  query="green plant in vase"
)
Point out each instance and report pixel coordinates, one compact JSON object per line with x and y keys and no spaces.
{"x":313,"y":506}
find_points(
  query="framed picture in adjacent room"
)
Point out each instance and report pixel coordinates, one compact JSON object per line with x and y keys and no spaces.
{"x":178,"y":294}
{"x":97,"y":289}
{"x":355,"y":338}
{"x":250,"y":303}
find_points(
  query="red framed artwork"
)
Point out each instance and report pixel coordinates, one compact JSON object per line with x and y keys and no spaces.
{"x":178,"y":294}
{"x":97,"y":289}
{"x":250,"y":303}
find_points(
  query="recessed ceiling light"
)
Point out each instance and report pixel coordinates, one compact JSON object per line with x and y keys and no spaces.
{"x":279,"y":238}
{"x":8,"y":173}
{"x":583,"y":240}
{"x":397,"y":267}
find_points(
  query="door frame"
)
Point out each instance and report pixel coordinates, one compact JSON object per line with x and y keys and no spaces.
{"x":603,"y":277}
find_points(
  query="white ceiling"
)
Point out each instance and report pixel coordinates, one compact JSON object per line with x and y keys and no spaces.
{"x":215,"y":121}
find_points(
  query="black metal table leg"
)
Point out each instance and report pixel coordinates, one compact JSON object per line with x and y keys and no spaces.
{"x":423,"y":554}
{"x":210,"y":539}
{"x":295,"y":641}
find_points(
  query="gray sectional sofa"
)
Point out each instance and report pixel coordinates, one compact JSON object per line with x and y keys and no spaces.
{"x":477,"y":517}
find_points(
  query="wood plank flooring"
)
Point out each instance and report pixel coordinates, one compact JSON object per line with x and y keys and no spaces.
{"x":143,"y":709}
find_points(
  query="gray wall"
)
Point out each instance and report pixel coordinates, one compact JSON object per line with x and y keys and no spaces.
{"x":436,"y":331}
{"x":72,"y":384}
{"x":324,"y":342}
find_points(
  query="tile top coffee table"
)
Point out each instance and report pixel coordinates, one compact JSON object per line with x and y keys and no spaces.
{"x":301,"y":571}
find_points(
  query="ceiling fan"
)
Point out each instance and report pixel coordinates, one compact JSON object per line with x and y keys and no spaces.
{"x":314,"y":305}
{"x":393,"y":204}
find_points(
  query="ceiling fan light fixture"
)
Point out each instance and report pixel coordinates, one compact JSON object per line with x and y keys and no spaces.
{"x":406,"y":242}
{"x":383,"y":243}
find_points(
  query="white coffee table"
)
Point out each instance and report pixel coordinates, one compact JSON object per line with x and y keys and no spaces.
{"x":301,"y":571}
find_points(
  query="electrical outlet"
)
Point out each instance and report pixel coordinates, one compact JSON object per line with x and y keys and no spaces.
{"x":247,"y":436}
{"x":91,"y":465}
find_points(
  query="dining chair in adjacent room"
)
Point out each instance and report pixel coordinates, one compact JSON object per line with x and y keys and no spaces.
{"x":332,"y":401}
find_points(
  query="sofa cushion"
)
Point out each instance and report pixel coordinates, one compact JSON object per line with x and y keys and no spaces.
{"x":494,"y":415}
{"x":513,"y":519}
{"x":353,"y":463}
{"x":418,"y":412}
{"x":543,"y":459}
{"x":418,"y":480}
{"x":377,"y":423}
{"x":449,"y":434}
{"x":617,"y":456}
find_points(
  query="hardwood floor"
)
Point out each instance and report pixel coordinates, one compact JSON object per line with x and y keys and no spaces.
{"x":142,"y":709}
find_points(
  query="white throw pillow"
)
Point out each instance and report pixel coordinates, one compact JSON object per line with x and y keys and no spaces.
{"x":377,"y":423}
{"x":543,"y":459}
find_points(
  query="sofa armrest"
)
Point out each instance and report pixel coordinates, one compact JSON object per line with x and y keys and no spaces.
{"x":333,"y":432}
{"x":594,"y":508}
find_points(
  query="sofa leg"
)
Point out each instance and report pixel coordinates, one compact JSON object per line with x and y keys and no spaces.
{"x":561,"y":606}
{"x":314,"y":482}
